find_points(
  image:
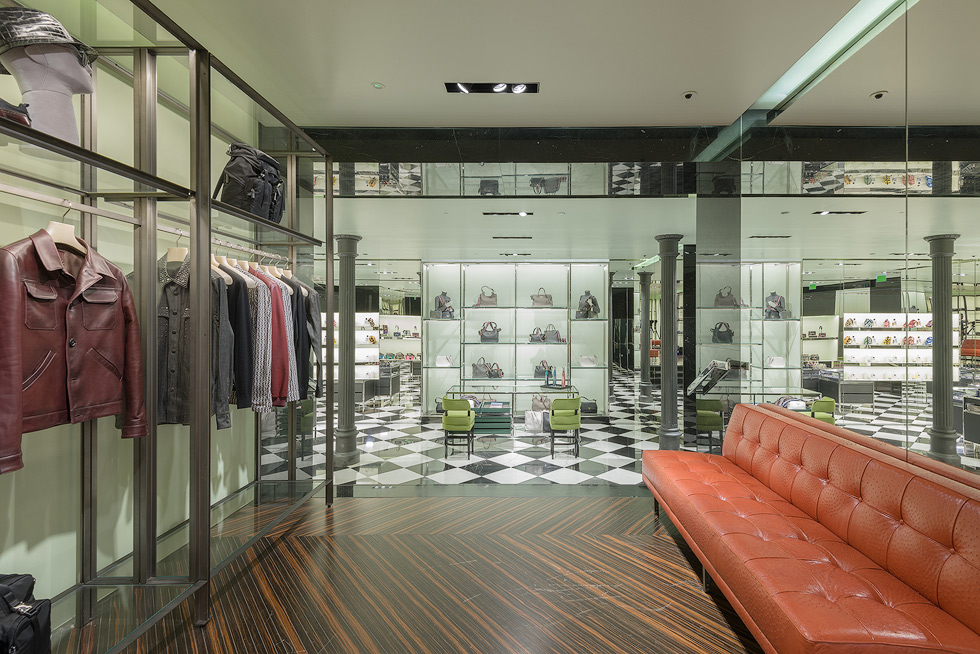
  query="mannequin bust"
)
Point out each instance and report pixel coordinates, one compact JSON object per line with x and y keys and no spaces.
{"x":775,"y":306}
{"x":48,"y":75}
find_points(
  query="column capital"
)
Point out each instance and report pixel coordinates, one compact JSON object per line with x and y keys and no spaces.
{"x":668,"y":244}
{"x":941,"y":244}
{"x":347,"y":244}
{"x":645,"y":276}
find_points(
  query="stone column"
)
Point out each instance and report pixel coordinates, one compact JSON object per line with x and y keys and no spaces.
{"x":942,"y":436}
{"x":346,"y":436}
{"x":670,"y":434}
{"x":645,"y":336}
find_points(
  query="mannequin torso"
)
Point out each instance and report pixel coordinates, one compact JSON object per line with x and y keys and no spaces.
{"x":48,"y":75}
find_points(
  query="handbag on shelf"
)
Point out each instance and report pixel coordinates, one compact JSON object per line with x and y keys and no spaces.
{"x":397,"y":333}
{"x":537,"y":336}
{"x":722,"y":333}
{"x":410,"y":357}
{"x":725,"y":299}
{"x":776,"y":362}
{"x":589,"y":406}
{"x":486,"y":299}
{"x":494,"y":371}
{"x":400,"y":356}
{"x":588,"y":307}
{"x":490,"y":333}
{"x":415,"y":334}
{"x":588,"y":361}
{"x":541,"y":299}
{"x":444,"y":361}
{"x":543,"y":370}
{"x":489,"y":187}
{"x":552,"y":335}
{"x":443,"y":308}
{"x":484,"y":370}
{"x":533,"y":422}
{"x":540,"y":403}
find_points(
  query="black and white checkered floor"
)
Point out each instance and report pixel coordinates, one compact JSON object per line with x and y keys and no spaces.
{"x":399,"y":447}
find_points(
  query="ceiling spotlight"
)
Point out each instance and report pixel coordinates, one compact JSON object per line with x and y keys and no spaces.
{"x":878,"y":95}
{"x":499,"y":88}
{"x":377,"y":85}
{"x":824,"y":213}
{"x":689,"y":95}
{"x":522,"y":213}
{"x":462,"y":87}
{"x":519,"y":88}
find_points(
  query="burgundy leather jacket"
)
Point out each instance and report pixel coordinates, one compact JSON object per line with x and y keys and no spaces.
{"x":69,"y":343}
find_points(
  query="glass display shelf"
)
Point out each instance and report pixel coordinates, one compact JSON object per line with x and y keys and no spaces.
{"x":875,"y":346}
{"x":543,"y":308}
{"x":121,"y":612}
{"x":820,"y":338}
{"x":595,"y":320}
{"x":264,"y":231}
{"x":505,"y":386}
{"x":490,"y":344}
{"x":727,"y":308}
{"x":440,"y":319}
{"x":403,"y":338}
{"x":493,"y":308}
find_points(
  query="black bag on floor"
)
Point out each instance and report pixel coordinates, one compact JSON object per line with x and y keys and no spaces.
{"x":252,"y":181}
{"x":25,"y":622}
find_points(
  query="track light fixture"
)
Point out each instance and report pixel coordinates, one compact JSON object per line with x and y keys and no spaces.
{"x":492,"y":87}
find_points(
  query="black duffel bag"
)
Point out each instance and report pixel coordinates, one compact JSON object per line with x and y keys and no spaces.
{"x":25,"y":622}
{"x":252,"y":181}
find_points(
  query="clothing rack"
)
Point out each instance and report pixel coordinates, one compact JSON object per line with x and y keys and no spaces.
{"x":224,"y":244}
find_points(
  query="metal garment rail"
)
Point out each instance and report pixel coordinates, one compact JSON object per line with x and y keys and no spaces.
{"x":224,"y":244}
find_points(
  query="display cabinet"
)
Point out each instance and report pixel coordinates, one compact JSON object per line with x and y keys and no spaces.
{"x":367,"y":344}
{"x":508,"y":301}
{"x":132,"y":528}
{"x":892,"y":347}
{"x":820,"y":344}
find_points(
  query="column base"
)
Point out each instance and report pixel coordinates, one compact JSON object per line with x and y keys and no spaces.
{"x":670,"y":438}
{"x":646,"y":390}
{"x":346,"y":453}
{"x":942,"y":446}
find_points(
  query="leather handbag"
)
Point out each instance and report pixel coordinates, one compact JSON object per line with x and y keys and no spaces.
{"x":588,"y":307}
{"x":533,"y":422}
{"x":537,"y":336}
{"x":541,"y":299}
{"x":589,"y":406}
{"x":486,"y":299}
{"x":400,"y":356}
{"x":490,"y":333}
{"x":494,"y":371}
{"x":480,"y":368}
{"x":397,"y":333}
{"x":543,"y":370}
{"x":722,"y":333}
{"x":551,"y":334}
{"x":443,"y":308}
{"x":540,"y":403}
{"x":725,"y":299}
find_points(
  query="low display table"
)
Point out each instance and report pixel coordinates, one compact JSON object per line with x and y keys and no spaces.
{"x":498,"y":400}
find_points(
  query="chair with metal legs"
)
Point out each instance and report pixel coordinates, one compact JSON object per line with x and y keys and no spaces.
{"x":458,"y":423}
{"x":566,"y":415}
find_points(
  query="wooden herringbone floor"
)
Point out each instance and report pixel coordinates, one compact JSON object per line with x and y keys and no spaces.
{"x":421,"y":575}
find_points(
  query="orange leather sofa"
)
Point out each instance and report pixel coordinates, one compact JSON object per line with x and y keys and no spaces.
{"x":827,"y":541}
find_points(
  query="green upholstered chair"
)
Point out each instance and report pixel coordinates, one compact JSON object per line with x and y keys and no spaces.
{"x":711,"y":417}
{"x":566,"y":416}
{"x":458,"y":421}
{"x":823,"y":409}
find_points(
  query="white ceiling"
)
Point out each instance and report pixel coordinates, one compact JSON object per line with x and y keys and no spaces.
{"x":599,"y":63}
{"x":943,"y":78}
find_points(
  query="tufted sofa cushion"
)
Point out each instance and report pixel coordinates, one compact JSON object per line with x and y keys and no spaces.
{"x":825,"y":545}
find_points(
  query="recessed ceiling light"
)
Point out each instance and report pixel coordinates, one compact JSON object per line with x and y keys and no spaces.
{"x":771,"y":236}
{"x":499,"y":88}
{"x":824,"y":213}
{"x":520,"y":88}
{"x":511,"y":238}
{"x":878,"y":95}
{"x":377,"y":85}
{"x":561,"y":213}
{"x":462,"y":87}
{"x":837,"y":213}
{"x":689,"y":95}
{"x":508,"y":213}
{"x":522,"y":213}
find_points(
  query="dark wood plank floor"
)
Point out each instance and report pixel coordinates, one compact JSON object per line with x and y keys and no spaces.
{"x":493,"y":574}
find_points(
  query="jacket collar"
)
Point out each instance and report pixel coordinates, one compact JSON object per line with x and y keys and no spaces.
{"x":47,"y":252}
{"x":183,"y":275}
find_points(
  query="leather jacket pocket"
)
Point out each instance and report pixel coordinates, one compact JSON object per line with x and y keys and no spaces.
{"x":39,"y":370}
{"x":99,"y":308}
{"x":108,"y":365}
{"x":39,"y":306}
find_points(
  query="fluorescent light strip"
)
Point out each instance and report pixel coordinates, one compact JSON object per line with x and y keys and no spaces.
{"x":863,"y":22}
